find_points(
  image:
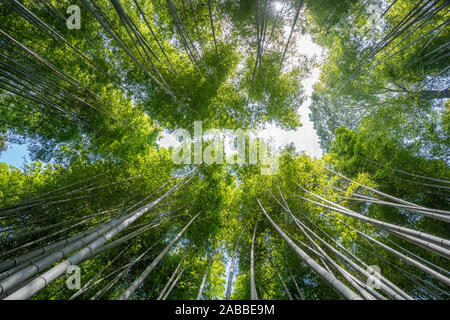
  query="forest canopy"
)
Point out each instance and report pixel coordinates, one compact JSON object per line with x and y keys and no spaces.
{"x":90,"y":87}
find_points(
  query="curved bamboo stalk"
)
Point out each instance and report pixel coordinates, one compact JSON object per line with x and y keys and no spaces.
{"x":382,"y":278}
{"x":283,"y":283}
{"x":424,"y":268}
{"x":441,"y":215}
{"x":384,"y":225}
{"x":153,"y":34}
{"x":297,"y":13}
{"x":93,"y":241}
{"x":300,"y":294}
{"x":320,"y":253}
{"x":212,"y":27}
{"x":406,"y":172}
{"x":385,"y":288}
{"x":418,"y":257}
{"x":196,"y":26}
{"x":48,"y":248}
{"x":328,"y":277}
{"x":343,"y":272}
{"x":424,"y":244}
{"x":407,"y":274}
{"x":105,"y":289}
{"x":147,"y":271}
{"x":373,"y":190}
{"x":86,"y":286}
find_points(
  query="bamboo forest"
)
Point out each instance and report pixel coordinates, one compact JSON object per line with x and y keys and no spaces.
{"x":355,"y":206}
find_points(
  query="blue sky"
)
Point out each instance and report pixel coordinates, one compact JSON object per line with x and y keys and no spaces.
{"x":14,"y":155}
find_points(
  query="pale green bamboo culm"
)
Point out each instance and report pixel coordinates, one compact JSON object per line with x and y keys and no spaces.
{"x":149,"y":269}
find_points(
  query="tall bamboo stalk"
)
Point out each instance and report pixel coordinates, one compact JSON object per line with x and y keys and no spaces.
{"x":205,"y":275}
{"x":175,"y":272}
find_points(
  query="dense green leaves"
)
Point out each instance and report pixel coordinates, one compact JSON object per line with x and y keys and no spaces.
{"x":90,"y":104}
